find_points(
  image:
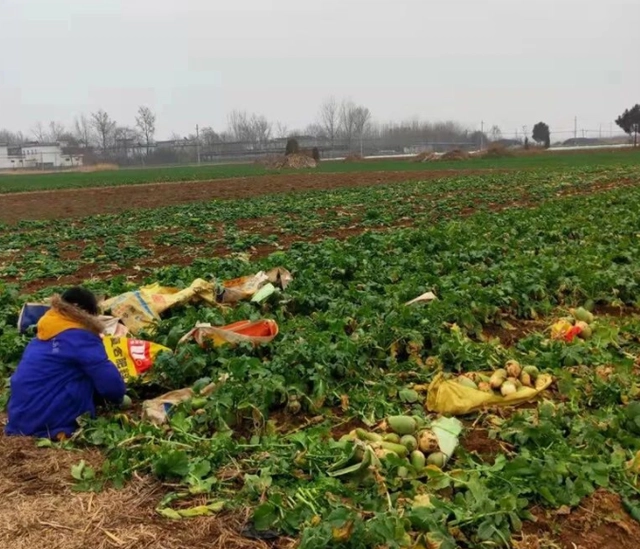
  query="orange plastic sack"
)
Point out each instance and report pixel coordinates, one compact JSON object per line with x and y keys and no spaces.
{"x":257,"y":333}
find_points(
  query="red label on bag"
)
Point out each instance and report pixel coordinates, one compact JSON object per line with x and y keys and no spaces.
{"x":140,"y":352}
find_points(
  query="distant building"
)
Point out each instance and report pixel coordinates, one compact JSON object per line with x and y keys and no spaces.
{"x":37,"y":156}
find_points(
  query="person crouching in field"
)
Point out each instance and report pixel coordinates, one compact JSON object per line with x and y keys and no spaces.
{"x":62,"y":370}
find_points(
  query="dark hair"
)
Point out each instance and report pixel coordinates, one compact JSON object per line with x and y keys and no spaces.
{"x":82,"y":298}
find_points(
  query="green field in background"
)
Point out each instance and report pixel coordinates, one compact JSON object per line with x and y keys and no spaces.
{"x":137,"y":176}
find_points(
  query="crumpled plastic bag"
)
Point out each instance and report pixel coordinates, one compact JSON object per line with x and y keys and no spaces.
{"x":157,"y":409}
{"x":30,"y":314}
{"x":424,"y":298}
{"x":259,"y":332}
{"x":245,"y":287}
{"x":113,"y":326}
{"x":140,"y":309}
{"x":447,"y":396}
{"x":132,"y":357}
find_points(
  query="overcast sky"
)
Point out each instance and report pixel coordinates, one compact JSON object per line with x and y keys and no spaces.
{"x":507,"y":62}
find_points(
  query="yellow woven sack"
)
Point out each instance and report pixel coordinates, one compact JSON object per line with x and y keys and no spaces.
{"x":447,"y":396}
{"x":133,"y":357}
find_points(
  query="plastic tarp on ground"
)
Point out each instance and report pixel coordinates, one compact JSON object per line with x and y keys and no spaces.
{"x":448,"y":397}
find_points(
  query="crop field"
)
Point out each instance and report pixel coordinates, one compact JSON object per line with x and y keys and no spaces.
{"x":288,"y":451}
{"x":14,"y":183}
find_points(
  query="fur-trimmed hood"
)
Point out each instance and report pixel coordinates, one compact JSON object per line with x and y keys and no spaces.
{"x":65,"y":316}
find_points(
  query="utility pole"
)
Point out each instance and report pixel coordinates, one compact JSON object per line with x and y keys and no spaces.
{"x":482,"y":135}
{"x":575,"y":127}
{"x":198,"y":142}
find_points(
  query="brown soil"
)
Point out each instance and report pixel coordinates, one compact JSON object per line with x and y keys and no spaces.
{"x":176,"y":255}
{"x":518,"y":330}
{"x":600,"y":522}
{"x":56,"y":204}
{"x":616,"y":312}
{"x":39,"y":509}
{"x":477,"y":441}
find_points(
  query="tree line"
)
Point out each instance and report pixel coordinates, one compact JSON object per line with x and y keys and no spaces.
{"x":337,"y":121}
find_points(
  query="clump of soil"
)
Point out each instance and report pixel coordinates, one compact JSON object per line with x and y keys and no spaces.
{"x":497,"y":151}
{"x":455,"y":154}
{"x":600,"y":522}
{"x":294,"y":161}
{"x":477,"y":442}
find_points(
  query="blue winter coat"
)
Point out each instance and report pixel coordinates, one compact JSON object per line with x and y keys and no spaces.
{"x":60,"y":373}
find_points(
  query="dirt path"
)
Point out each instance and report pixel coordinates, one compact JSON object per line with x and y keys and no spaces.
{"x":58,"y":204}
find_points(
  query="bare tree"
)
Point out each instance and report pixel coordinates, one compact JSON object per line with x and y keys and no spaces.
{"x":82,"y":130}
{"x":282,"y":130}
{"x":146,"y":123}
{"x":104,"y":127}
{"x":260,"y":128}
{"x":314,"y":130}
{"x":56,"y":131}
{"x":329,"y":119}
{"x":239,"y":125}
{"x":209,"y":137}
{"x":249,"y":127}
{"x":495,"y":133}
{"x":361,"y":119}
{"x":11,"y":138}
{"x":39,"y":133}
{"x":125,"y":139}
{"x":348,"y":121}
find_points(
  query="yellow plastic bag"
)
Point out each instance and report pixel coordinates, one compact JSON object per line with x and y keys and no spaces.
{"x":447,"y":396}
{"x":140,"y":309}
{"x":133,"y":357}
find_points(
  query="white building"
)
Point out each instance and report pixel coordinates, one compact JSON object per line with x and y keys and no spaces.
{"x":37,"y":156}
